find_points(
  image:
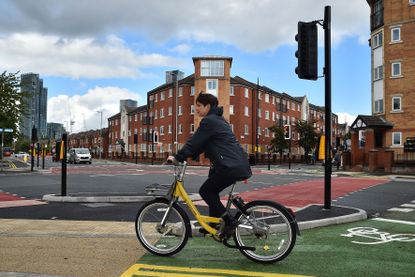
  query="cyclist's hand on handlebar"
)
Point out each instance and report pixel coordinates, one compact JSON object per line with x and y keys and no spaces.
{"x":171,"y":160}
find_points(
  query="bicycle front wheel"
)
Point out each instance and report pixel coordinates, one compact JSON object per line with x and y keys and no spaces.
{"x":162,"y":240}
{"x":269,"y":228}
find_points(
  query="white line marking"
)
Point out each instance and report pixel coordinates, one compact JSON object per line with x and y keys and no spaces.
{"x":404,"y":210}
{"x":408,"y":205}
{"x":394,"y":221}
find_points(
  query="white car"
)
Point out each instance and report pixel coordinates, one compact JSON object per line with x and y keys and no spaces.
{"x":21,"y":155}
{"x":79,"y":155}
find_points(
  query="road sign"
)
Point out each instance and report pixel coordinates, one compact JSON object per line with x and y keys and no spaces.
{"x":6,"y":130}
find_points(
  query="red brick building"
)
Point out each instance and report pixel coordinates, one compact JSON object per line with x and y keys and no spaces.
{"x":249,"y":108}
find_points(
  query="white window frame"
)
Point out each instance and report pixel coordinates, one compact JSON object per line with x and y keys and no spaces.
{"x":180,"y":127}
{"x":170,"y":92}
{"x":393,"y":103}
{"x":231,"y":127}
{"x":170,"y":110}
{"x":393,"y":29}
{"x":266,"y":97}
{"x":266,"y":115}
{"x":246,"y":111}
{"x":210,"y":68}
{"x":378,"y":73}
{"x":246,"y":129}
{"x":180,"y":110}
{"x":231,"y":110}
{"x":209,"y":86}
{"x":393,"y":64}
{"x":192,"y":109}
{"x":161,"y":130}
{"x":180,"y":91}
{"x":259,"y":113}
{"x":411,"y":2}
{"x":399,"y":136}
{"x":232,"y":91}
{"x":162,"y":96}
{"x":377,"y":40}
{"x":162,"y":113}
{"x":246,"y":93}
{"x":169,"y":129}
{"x":192,"y":90}
{"x":192,"y":128}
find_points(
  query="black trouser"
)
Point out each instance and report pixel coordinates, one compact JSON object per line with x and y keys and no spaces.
{"x":210,"y":190}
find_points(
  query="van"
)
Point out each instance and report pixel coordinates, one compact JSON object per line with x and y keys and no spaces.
{"x":79,"y":155}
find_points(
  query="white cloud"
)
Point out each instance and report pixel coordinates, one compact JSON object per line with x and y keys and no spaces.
{"x":182,"y":48}
{"x":346,"y":117}
{"x":82,"y":109}
{"x":80,"y":57}
{"x":250,"y":25}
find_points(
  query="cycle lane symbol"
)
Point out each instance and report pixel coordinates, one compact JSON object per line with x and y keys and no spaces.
{"x":376,"y":236}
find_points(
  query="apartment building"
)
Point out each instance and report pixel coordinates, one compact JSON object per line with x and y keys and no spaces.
{"x":249,"y":108}
{"x":392,"y":45}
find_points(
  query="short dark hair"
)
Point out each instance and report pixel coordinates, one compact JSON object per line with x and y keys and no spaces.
{"x":207,"y":98}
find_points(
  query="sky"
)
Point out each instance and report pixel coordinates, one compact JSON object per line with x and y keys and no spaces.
{"x":92,"y":53}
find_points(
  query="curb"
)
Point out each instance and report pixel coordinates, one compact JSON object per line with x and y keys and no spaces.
{"x":358,"y":216}
{"x":95,"y":199}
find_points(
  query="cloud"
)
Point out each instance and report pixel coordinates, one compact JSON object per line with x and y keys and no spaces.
{"x":181,"y":49}
{"x":82,"y":109}
{"x":346,"y":117}
{"x":253,"y":26}
{"x":79,"y":57}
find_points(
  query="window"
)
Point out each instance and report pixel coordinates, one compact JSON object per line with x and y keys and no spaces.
{"x":192,"y":128}
{"x":396,"y":138}
{"x":267,"y":115}
{"x":246,"y":111}
{"x":212,"y":86}
{"x":170,"y":110}
{"x":161,"y":113}
{"x":232,"y":92}
{"x":259,"y":113}
{"x":246,"y":129}
{"x":162,"y":96}
{"x":212,"y":68}
{"x":192,"y":109}
{"x":266,"y":132}
{"x":298,"y":107}
{"x":180,"y":129}
{"x":259,"y":95}
{"x":170,"y":93}
{"x":293,"y":106}
{"x":396,"y":34}
{"x":135,"y":117}
{"x":411,"y":2}
{"x":161,"y":130}
{"x":396,"y":69}
{"x":267,"y":97}
{"x":378,"y":74}
{"x":155,"y":98}
{"x":192,"y":91}
{"x":258,"y":130}
{"x":180,"y":91}
{"x":377,"y":40}
{"x":169,"y":129}
{"x":396,"y":103}
{"x":231,"y":110}
{"x":180,"y":110}
{"x":155,"y":114}
{"x":130,"y":118}
{"x":246,"y":92}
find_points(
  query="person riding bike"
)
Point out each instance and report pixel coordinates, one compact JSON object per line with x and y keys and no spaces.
{"x":215,"y":139}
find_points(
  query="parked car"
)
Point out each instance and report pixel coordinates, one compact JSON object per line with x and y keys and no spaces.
{"x":79,"y":155}
{"x":21,"y":155}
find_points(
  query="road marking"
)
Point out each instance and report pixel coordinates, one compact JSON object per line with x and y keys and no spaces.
{"x":173,"y":271}
{"x":404,"y":210}
{"x":394,"y":221}
{"x":408,"y":205}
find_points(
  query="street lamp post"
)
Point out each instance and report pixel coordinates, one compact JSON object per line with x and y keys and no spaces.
{"x":100,"y":136}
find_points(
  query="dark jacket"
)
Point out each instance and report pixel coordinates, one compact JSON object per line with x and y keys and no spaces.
{"x":214,"y":137}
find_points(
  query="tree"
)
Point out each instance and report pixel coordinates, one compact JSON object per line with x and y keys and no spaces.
{"x":11,"y":104}
{"x":308,"y":136}
{"x":278,"y":143}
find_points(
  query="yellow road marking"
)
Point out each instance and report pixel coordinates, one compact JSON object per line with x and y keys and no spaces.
{"x":142,"y":270}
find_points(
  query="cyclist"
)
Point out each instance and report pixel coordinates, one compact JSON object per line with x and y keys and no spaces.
{"x":215,"y":138}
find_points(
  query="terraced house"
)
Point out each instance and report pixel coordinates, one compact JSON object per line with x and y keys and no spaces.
{"x":168,"y":120}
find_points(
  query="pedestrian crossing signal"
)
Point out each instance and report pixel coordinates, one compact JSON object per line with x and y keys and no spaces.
{"x":287,"y":131}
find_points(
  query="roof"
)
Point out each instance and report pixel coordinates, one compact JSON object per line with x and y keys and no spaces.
{"x":370,"y":121}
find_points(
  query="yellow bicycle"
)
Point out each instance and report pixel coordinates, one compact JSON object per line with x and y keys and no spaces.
{"x":266,"y":231}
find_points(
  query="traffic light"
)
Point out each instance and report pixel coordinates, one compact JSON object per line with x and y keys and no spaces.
{"x":34,"y":134}
{"x":287,"y":131}
{"x":307,"y":52}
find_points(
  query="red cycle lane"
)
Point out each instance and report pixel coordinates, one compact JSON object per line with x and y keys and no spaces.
{"x":8,"y":200}
{"x":303,"y":193}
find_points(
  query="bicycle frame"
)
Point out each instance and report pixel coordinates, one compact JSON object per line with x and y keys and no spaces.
{"x":179,"y":191}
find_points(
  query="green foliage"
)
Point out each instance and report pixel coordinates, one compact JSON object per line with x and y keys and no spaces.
{"x":278,"y":143}
{"x":11,"y":104}
{"x":308,"y":136}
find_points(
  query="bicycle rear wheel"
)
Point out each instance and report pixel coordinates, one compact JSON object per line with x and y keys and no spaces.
{"x":269,"y":228}
{"x":162,"y":240}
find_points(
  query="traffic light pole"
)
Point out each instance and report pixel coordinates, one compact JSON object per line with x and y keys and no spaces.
{"x":327,"y":79}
